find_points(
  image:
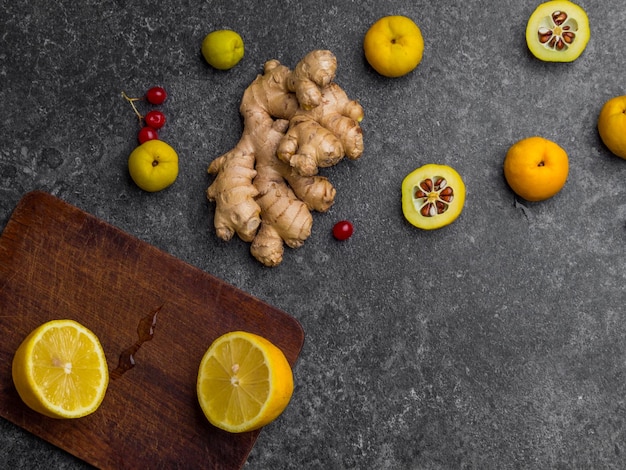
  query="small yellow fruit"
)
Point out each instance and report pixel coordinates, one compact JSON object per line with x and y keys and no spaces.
{"x":153,"y":165}
{"x":536,"y":168}
{"x":244,"y":382}
{"x":223,"y":49}
{"x":393,"y":46}
{"x":60,"y":370}
{"x":612,"y":125}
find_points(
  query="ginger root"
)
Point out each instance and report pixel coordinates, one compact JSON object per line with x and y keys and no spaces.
{"x":294,"y":122}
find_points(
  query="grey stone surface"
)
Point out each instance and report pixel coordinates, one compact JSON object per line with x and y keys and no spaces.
{"x":496,"y":342}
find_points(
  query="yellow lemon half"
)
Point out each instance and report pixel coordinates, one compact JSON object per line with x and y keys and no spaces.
{"x":153,"y":165}
{"x":60,"y":370}
{"x":393,"y":46}
{"x":244,"y":382}
{"x":223,"y":49}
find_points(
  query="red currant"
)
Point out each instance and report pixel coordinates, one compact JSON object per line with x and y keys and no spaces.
{"x":343,"y":230}
{"x":155,"y":119}
{"x":156,"y":95}
{"x":147,"y":133}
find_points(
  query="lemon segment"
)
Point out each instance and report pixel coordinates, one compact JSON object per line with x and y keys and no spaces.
{"x":60,"y":370}
{"x":244,"y":382}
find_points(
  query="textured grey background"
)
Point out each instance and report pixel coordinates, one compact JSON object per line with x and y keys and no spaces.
{"x":496,"y":342}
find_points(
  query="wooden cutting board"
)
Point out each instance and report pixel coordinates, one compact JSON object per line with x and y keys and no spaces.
{"x":57,"y":261}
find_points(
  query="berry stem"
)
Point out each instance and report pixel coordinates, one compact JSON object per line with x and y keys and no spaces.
{"x":132,"y":103}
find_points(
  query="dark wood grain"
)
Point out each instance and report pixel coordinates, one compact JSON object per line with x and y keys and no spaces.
{"x":57,"y":261}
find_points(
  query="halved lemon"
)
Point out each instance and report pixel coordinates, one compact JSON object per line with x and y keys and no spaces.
{"x":244,"y":382}
{"x":60,"y":370}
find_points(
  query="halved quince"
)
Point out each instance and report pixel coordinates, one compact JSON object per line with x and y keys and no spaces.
{"x":557,"y":31}
{"x":432,"y":196}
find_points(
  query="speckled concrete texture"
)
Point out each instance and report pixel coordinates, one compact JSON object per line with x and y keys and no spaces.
{"x":494,"y":343}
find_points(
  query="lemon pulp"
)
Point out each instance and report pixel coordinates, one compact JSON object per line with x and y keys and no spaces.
{"x":60,"y":370}
{"x":244,"y":382}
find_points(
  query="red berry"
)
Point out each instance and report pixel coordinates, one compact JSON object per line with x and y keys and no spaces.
{"x":147,"y":133}
{"x":155,"y":119}
{"x":343,"y":230}
{"x":156,"y":95}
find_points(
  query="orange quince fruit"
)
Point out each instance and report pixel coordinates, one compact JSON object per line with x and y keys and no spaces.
{"x":536,"y":168}
{"x":393,"y":46}
{"x":612,"y":125}
{"x":153,"y":165}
